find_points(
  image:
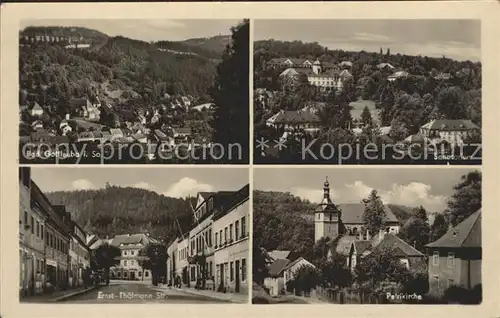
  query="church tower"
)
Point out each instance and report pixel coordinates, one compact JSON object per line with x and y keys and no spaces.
{"x":327,"y":217}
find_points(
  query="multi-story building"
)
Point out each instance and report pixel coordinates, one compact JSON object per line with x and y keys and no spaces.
{"x":231,"y":246}
{"x":452,"y":131}
{"x":182,"y":264}
{"x":58,"y":236}
{"x":79,"y":254}
{"x":172,"y":260}
{"x":200,"y":240}
{"x":455,"y":259}
{"x":31,"y":238}
{"x":130,"y":246}
{"x":318,"y":75}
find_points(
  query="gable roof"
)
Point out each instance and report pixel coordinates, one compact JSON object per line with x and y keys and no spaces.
{"x":352,"y":213}
{"x":399,"y":246}
{"x":279,"y":254}
{"x":294,"y":116}
{"x":465,"y":234}
{"x":451,"y":124}
{"x":362,"y":246}
{"x":277,"y":267}
{"x":291,"y":264}
{"x":344,"y":244}
{"x":37,"y":107}
{"x":139,"y":238}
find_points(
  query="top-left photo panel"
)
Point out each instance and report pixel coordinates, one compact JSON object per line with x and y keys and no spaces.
{"x":134,"y":91}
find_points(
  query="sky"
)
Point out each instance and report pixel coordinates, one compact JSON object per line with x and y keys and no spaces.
{"x":147,"y":30}
{"x":176,"y":182}
{"x":457,"y":39}
{"x":428,"y":187}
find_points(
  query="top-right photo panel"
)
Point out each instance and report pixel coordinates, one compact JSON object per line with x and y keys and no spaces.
{"x":367,"y":92}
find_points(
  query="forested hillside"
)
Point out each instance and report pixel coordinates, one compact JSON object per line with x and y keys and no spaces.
{"x":51,"y":74}
{"x":118,"y":210}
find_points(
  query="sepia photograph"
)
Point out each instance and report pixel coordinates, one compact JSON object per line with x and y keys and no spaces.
{"x":367,"y":91}
{"x":120,"y":91}
{"x":121,"y":236}
{"x":367,"y":236}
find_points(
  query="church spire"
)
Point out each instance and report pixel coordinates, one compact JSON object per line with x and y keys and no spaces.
{"x":326,"y":191}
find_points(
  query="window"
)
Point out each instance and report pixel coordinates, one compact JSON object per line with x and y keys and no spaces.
{"x":231,"y":271}
{"x":37,"y":229}
{"x":139,"y":274}
{"x":225,"y":234}
{"x":210,"y":269}
{"x":32,"y":225}
{"x":243,"y":227}
{"x":220,"y":237}
{"x":125,"y":275}
{"x":230,"y":232}
{"x":435,"y":258}
{"x":451,"y":259}
{"x":132,"y":253}
{"x":124,"y":253}
{"x":38,"y":266}
{"x":216,"y":238}
{"x":42,"y":270}
{"x":25,"y":218}
{"x":243,"y":269}
{"x":210,"y":237}
{"x":146,"y":274}
{"x":125,"y":263}
{"x":236,"y":230}
{"x":41,"y":231}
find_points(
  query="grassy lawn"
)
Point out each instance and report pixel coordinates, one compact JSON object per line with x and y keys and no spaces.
{"x":360,"y":104}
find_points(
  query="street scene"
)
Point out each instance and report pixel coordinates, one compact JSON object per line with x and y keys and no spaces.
{"x":367,"y":91}
{"x":358,"y":236}
{"x":151,"y":235}
{"x":134,"y":92}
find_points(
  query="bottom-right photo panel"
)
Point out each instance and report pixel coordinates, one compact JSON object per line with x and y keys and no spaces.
{"x":366,"y":235}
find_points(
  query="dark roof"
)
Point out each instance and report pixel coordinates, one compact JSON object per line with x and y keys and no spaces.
{"x":362,"y":246}
{"x":131,"y":239}
{"x":295,"y":116}
{"x":352,"y":213}
{"x":465,"y":234}
{"x":451,"y":124}
{"x":344,"y":244}
{"x":399,"y":246}
{"x":226,"y":202}
{"x":277,"y":267}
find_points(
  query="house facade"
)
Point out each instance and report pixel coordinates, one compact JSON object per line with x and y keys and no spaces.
{"x":231,"y":245}
{"x":291,"y":269}
{"x":455,"y":259}
{"x":31,"y":239}
{"x":37,"y":110}
{"x":275,"y":281}
{"x":79,"y":254}
{"x":130,"y":246}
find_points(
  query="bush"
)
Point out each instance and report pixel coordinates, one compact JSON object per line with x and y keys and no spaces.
{"x":456,"y":294}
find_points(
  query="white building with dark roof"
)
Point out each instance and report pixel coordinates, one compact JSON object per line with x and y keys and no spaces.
{"x":453,"y":131}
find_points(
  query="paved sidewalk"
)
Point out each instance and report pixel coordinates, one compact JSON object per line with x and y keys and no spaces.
{"x":56,"y":296}
{"x":235,"y":298}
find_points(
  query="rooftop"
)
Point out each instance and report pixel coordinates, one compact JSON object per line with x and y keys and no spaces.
{"x":465,"y":234}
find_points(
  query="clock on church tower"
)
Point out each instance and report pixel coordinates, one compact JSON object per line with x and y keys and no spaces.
{"x":327,"y":217}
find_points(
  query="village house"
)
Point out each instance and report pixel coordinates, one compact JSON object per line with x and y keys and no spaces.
{"x":275,"y":280}
{"x":31,"y":239}
{"x":291,"y":269}
{"x":453,"y":131}
{"x":79,"y":254}
{"x":85,"y":109}
{"x":231,"y":252}
{"x":37,"y":124}
{"x":289,"y":62}
{"x":307,"y":120}
{"x":130,"y":246}
{"x":385,"y":67}
{"x":455,"y":259}
{"x":410,"y":257}
{"x":36,"y":110}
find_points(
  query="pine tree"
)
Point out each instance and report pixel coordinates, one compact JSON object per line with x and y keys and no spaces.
{"x":230,"y":95}
{"x":374,"y":214}
{"x":439,"y":227}
{"x":467,"y":197}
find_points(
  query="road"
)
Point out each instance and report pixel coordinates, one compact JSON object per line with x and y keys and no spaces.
{"x":137,"y":292}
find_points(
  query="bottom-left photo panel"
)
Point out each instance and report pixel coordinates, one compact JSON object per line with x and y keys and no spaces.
{"x":134,"y":235}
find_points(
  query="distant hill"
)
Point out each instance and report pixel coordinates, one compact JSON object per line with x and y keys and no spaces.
{"x":51,"y":75}
{"x":117,"y":210}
